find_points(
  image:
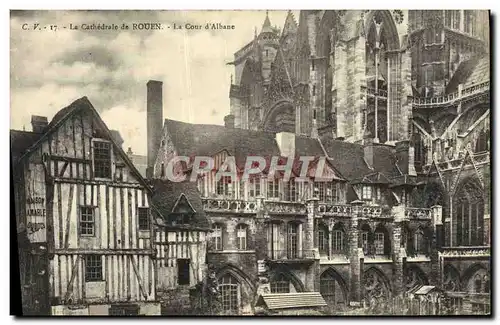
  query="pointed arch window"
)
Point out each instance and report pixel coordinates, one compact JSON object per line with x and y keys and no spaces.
{"x":332,"y":291}
{"x":469,"y":215}
{"x":230,"y":293}
{"x":280,"y":284}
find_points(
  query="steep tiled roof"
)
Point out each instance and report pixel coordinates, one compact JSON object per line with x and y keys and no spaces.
{"x":472,"y":71}
{"x":20,"y":141}
{"x":166,"y":194}
{"x":384,"y":161}
{"x":21,"y":147}
{"x":481,"y":72}
{"x":347,"y":157}
{"x":204,"y":139}
{"x":308,"y":146}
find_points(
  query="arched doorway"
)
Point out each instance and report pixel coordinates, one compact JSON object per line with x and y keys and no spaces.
{"x":333,"y":289}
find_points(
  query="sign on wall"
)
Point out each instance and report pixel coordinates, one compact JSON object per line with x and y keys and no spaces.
{"x":36,"y":205}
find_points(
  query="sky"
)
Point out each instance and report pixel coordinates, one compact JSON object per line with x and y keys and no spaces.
{"x":51,"y":68}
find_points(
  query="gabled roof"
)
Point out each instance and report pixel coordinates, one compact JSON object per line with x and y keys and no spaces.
{"x":21,"y":148}
{"x":20,"y":141}
{"x":207,"y":140}
{"x":349,"y":159}
{"x":166,"y":194}
{"x":291,"y":300}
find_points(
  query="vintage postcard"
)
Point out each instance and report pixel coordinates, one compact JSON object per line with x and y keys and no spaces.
{"x":305,"y":162}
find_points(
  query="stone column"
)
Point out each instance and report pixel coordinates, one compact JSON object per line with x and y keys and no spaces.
{"x":436,"y":243}
{"x":355,"y":256}
{"x":308,"y":244}
{"x":399,"y":254}
{"x":308,"y":238}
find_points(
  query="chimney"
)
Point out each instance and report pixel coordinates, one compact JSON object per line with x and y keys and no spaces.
{"x":405,"y":153}
{"x":286,"y":143}
{"x":368,"y":152}
{"x":130,"y":154}
{"x":154,"y":122}
{"x":368,"y":148}
{"x":39,"y":123}
{"x":229,"y":121}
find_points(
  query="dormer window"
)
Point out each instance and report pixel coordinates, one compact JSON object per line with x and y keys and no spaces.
{"x":102,"y":159}
{"x":224,"y":186}
{"x":367,"y":192}
{"x":180,"y":218}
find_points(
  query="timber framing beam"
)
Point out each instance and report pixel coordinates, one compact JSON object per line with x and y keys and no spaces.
{"x":77,"y":251}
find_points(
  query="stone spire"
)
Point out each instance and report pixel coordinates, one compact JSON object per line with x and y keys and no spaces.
{"x":266,"y":27}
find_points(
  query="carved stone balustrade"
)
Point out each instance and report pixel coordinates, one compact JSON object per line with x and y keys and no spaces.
{"x":292,"y":255}
{"x":282,"y":207}
{"x":229,"y":205}
{"x":472,"y":251}
{"x":334,"y":210}
{"x":449,"y":99}
{"x":418,"y":213}
{"x":373,"y":212}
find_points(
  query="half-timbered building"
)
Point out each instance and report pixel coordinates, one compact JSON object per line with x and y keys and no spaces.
{"x":86,"y":212}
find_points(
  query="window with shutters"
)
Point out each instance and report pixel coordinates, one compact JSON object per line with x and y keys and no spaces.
{"x":102,"y":158}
